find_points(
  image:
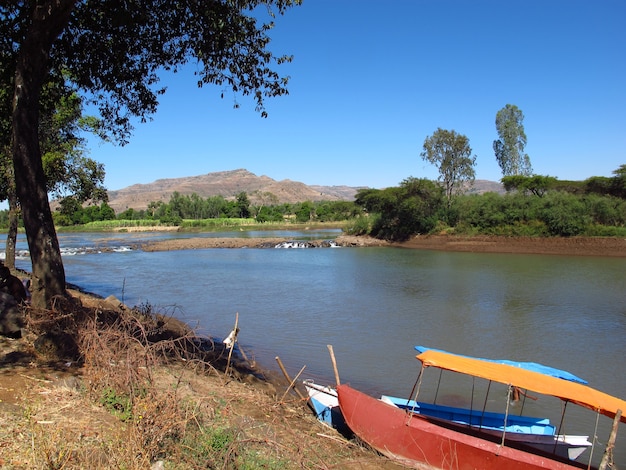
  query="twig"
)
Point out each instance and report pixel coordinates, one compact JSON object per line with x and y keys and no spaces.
{"x":38,"y":380}
{"x":334,"y":438}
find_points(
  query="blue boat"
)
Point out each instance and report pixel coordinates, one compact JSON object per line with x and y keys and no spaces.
{"x":476,"y":418}
{"x":325,"y":404}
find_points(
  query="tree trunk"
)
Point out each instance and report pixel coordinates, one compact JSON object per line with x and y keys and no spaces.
{"x":9,"y":257}
{"x":48,"y":19}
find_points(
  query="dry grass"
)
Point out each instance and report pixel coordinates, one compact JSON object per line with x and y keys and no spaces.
{"x":129,"y":389}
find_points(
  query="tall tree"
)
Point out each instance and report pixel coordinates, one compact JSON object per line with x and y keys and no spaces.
{"x":243,"y":205}
{"x":112,"y":55}
{"x":452,"y":154}
{"x":68,"y":173}
{"x":618,"y":182}
{"x":509,"y":148}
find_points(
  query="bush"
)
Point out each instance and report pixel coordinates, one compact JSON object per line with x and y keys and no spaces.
{"x":606,"y":210}
{"x":170,"y":219}
{"x":358,"y":226}
{"x":564,"y":215}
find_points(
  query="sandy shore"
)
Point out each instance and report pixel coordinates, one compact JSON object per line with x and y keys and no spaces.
{"x":574,"y":246}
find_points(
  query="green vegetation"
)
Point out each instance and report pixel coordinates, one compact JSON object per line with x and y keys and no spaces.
{"x":509,"y":148}
{"x":533,"y":206}
{"x":196,"y":213}
{"x":120,"y":406}
{"x":111,"y":58}
{"x":452,"y":154}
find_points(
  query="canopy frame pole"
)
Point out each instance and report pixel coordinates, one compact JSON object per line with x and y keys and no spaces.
{"x":480,"y":426}
{"x":506,"y":417}
{"x":560,"y":429}
{"x":416,"y":387}
{"x":594,"y":440}
{"x":472,"y":402}
{"x":438,"y":384}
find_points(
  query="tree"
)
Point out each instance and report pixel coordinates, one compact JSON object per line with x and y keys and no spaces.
{"x":215,"y":206}
{"x":305,"y":212}
{"x":536,"y":184}
{"x":403,"y":211}
{"x":243,"y":205}
{"x":68,"y":173}
{"x":113,"y":55}
{"x":509,"y":148}
{"x":453,"y":156}
{"x":618,"y":182}
{"x":263,"y":199}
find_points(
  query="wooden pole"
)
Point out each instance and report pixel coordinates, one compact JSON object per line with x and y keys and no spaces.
{"x":282,"y":368}
{"x":332,"y":358}
{"x":232,"y":345}
{"x":291,"y":385}
{"x":607,"y":458}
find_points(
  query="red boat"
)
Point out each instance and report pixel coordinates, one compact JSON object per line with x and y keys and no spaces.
{"x":420,"y":442}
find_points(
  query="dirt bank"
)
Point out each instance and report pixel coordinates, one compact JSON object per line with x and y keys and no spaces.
{"x":193,"y":415}
{"x":48,"y":420}
{"x":574,"y":246}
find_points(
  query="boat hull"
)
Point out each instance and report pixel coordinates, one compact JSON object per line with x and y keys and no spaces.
{"x":419,"y":443}
{"x":324,"y":401}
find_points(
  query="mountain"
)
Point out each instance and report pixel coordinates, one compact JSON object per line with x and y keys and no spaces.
{"x":227,"y":184}
{"x":230,"y":183}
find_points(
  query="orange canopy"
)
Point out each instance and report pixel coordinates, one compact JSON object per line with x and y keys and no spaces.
{"x":510,"y":375}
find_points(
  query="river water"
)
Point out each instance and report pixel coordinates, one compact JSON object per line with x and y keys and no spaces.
{"x":374,"y":304}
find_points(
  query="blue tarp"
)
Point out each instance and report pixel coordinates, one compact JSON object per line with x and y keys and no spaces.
{"x":532,"y":366}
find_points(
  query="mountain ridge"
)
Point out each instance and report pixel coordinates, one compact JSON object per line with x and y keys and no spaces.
{"x":230,"y":183}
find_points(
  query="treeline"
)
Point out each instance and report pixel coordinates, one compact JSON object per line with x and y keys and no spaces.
{"x":195,"y":208}
{"x":533,"y":206}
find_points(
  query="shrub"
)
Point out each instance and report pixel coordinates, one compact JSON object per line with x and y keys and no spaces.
{"x":359,"y":226}
{"x":564,"y":215}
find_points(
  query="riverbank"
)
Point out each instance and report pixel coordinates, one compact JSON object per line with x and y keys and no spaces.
{"x":570,"y":246}
{"x":193,"y":405}
{"x":59,"y":413}
{"x":573,"y":246}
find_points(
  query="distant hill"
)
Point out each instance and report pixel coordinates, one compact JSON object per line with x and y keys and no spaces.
{"x":486,"y":186}
{"x":227,"y":184}
{"x":230,"y":183}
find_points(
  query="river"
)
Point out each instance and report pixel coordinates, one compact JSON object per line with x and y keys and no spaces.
{"x":375,"y":304}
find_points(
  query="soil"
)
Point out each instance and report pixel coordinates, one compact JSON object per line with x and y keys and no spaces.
{"x":42,"y":398}
{"x":574,"y":246}
{"x":48,"y":420}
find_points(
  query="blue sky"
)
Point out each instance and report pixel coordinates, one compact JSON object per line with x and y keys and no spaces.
{"x":370,"y":80}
